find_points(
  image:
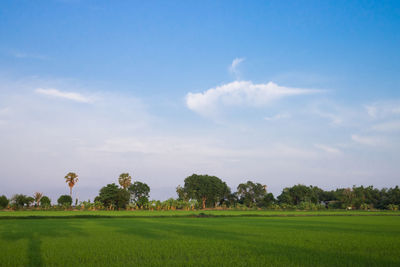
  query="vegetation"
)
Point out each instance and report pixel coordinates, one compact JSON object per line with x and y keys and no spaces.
{"x":125,"y":180}
{"x":140,"y":193}
{"x":204,"y":191}
{"x":65,"y":201}
{"x":240,"y":241}
{"x":71,"y":179}
{"x":209,"y":190}
{"x":111,"y":196}
{"x":3,"y":202}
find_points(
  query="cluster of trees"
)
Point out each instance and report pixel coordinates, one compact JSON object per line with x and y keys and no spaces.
{"x":204,"y":191}
{"x":212,"y":192}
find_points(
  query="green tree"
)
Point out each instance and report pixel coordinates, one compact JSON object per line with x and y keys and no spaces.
{"x":65,"y":200}
{"x":37,"y":196}
{"x":206,"y":189}
{"x":113,"y":196}
{"x":251,"y":194}
{"x":71,"y":179}
{"x":140,"y":193}
{"x":45,"y":201}
{"x":124,"y":180}
{"x":20,"y":200}
{"x":3,"y":202}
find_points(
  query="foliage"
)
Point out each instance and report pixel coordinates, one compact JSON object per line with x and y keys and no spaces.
{"x":45,"y":201}
{"x":251,"y":194}
{"x":140,"y":193}
{"x":209,"y":190}
{"x":20,"y":200}
{"x":124,"y":180}
{"x":111,"y":197}
{"x":3,"y":202}
{"x":71,"y":179}
{"x":37,"y":196}
{"x":65,"y":200}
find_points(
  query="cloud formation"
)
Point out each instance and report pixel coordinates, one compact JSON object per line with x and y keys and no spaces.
{"x":365,"y":140}
{"x":328,"y":149}
{"x":233,"y":67}
{"x":66,"y":95}
{"x":240,"y":93}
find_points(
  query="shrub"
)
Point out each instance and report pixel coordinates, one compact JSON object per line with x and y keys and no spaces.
{"x":3,"y":202}
{"x":45,"y":202}
{"x":65,"y":200}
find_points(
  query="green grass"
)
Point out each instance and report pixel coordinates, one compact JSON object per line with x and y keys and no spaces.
{"x":180,"y":213}
{"x":197,"y":241}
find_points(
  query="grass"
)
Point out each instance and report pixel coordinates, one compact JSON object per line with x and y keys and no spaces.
{"x":31,"y":214}
{"x":197,"y":241}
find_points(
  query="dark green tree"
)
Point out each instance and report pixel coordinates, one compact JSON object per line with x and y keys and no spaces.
{"x":111,"y":195}
{"x":45,"y":201}
{"x":251,"y":194}
{"x":140,"y":193}
{"x":21,"y":200}
{"x":206,"y":189}
{"x":3,"y":202}
{"x":65,"y":200}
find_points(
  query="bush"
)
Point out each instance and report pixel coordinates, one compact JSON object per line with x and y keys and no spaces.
{"x":65,"y":200}
{"x":45,"y":201}
{"x":3,"y":202}
{"x":20,"y":200}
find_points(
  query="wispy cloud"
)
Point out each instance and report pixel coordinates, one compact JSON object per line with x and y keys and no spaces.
{"x":240,"y":93}
{"x":381,"y":110}
{"x":328,"y":149}
{"x":366,"y":140}
{"x":22,"y":55}
{"x":391,"y":126}
{"x":278,"y":116}
{"x":233,"y":68}
{"x":66,"y":95}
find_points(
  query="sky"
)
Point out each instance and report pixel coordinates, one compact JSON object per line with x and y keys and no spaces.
{"x":277,"y":92}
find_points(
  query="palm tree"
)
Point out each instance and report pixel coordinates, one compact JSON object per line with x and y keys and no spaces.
{"x":71,"y":178}
{"x":125,"y":180}
{"x":37,"y":196}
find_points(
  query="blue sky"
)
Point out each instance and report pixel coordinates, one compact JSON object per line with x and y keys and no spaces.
{"x":280,"y":92}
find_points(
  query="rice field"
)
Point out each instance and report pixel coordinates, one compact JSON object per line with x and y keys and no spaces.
{"x":226,"y":238}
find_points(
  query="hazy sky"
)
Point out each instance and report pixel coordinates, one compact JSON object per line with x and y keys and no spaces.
{"x":278,"y":92}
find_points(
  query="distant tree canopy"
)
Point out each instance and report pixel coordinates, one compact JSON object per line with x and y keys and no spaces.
{"x":3,"y":202}
{"x":21,"y":200}
{"x":124,"y":180}
{"x":64,"y":200}
{"x":206,"y":189}
{"x":113,"y":196}
{"x":140,"y":193}
{"x":45,"y":201}
{"x":251,"y":194}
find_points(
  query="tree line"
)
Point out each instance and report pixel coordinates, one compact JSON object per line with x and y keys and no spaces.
{"x":205,"y":191}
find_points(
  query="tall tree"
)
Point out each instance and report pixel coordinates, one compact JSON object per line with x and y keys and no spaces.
{"x":71,"y":179}
{"x":37,"y":196}
{"x":140,"y":193}
{"x":251,"y":193}
{"x":206,"y":189}
{"x":110,"y":195}
{"x":124,"y":180}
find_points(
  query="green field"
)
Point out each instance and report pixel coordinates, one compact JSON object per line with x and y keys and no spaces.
{"x":273,"y":239}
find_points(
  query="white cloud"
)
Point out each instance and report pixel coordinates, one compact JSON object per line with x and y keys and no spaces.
{"x":391,"y":126}
{"x":278,"y":116}
{"x":336,"y":120}
{"x":328,"y":149}
{"x":67,"y":95}
{"x":240,"y":93}
{"x":383,"y":109}
{"x":233,"y":67}
{"x":366,"y":140}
